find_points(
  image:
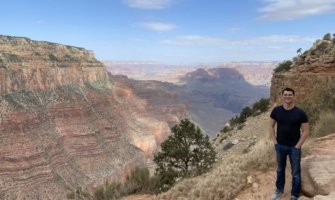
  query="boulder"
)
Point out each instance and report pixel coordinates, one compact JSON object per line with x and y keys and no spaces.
{"x":318,"y":171}
{"x":318,"y":175}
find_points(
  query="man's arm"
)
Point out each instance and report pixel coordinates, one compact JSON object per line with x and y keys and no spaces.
{"x":304,"y":135}
{"x":272,"y":130}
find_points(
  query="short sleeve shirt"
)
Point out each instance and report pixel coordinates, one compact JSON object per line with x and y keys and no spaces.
{"x":288,"y":124}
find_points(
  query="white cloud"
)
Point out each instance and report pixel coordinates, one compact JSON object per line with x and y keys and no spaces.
{"x":194,"y":40}
{"x":273,"y":39}
{"x":266,"y":41}
{"x":157,"y":26}
{"x":295,"y":9}
{"x":148,"y":4}
{"x":234,"y":29}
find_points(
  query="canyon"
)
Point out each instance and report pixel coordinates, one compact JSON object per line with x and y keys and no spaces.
{"x":64,"y":124}
{"x":246,"y":156}
{"x":211,"y":95}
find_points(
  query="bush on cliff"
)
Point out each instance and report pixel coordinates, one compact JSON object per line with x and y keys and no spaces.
{"x":138,"y":181}
{"x":257,"y":108}
{"x":283,"y":66}
{"x":185,"y":153}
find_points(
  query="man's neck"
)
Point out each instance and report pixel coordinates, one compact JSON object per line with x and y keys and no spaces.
{"x":289,"y":106}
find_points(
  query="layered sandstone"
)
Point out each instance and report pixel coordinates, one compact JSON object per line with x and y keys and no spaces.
{"x":69,"y":138}
{"x":29,"y":64}
{"x":312,"y":74}
{"x":64,"y":124}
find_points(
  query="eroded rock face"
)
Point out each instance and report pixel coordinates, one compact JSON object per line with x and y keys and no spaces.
{"x":28,"y":64}
{"x":311,"y":75}
{"x":48,"y":149}
{"x":64,"y":124}
{"x":318,"y":172}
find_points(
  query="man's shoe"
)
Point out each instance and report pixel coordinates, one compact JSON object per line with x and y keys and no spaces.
{"x":294,"y":198}
{"x":276,"y":195}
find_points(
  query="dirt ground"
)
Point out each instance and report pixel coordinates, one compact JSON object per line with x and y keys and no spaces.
{"x":140,"y":197}
{"x":264,"y":186}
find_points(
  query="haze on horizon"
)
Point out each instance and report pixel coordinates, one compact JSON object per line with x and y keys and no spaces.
{"x":174,"y":31}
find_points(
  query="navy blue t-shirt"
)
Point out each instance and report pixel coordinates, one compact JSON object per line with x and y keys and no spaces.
{"x":288,"y":124}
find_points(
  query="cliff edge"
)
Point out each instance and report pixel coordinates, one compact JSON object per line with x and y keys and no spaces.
{"x":29,"y":64}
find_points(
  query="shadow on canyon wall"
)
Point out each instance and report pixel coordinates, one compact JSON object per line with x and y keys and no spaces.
{"x":211,"y":96}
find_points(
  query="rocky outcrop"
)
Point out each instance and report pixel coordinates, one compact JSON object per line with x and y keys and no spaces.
{"x":312,"y":74}
{"x":212,"y":95}
{"x":318,"y":172}
{"x":64,"y":141}
{"x":28,"y":64}
{"x":64,"y":124}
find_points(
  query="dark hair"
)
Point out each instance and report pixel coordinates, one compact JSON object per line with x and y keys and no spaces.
{"x":287,"y":89}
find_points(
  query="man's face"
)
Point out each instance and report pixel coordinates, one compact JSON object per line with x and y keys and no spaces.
{"x":288,"y":97}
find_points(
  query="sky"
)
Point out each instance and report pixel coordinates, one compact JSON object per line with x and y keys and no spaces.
{"x":174,"y":31}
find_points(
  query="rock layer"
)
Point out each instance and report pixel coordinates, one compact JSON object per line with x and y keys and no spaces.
{"x":64,"y":124}
{"x":48,"y":150}
{"x":28,"y":64}
{"x":312,"y":74}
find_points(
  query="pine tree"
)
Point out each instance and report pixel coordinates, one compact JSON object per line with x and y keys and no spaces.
{"x":186,"y":152}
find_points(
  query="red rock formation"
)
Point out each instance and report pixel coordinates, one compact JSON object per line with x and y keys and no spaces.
{"x":313,"y":73}
{"x":46,"y":151}
{"x":63,"y":124}
{"x":28,"y":64}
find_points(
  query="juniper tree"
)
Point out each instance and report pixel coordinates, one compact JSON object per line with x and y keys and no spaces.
{"x":186,"y":152}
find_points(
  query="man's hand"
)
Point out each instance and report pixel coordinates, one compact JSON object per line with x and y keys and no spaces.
{"x":304,"y":135}
{"x":272,"y":130}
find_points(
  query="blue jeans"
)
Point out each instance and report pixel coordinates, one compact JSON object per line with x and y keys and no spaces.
{"x":294,"y":155}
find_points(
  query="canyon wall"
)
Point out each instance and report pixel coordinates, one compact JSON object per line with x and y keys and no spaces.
{"x":312,"y":75}
{"x":64,"y":124}
{"x":28,"y":64}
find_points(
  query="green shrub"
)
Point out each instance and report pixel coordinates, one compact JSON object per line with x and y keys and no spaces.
{"x":226,"y":129}
{"x":246,"y":112}
{"x":327,"y":37}
{"x":53,"y":57}
{"x":14,"y":58}
{"x":261,"y":106}
{"x":138,"y":181}
{"x":185,"y":153}
{"x":283,"y":66}
{"x":108,"y":191}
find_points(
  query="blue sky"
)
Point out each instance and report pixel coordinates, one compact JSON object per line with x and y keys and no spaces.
{"x":174,"y":31}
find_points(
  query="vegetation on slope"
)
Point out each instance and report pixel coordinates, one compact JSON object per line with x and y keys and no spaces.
{"x":185,"y":153}
{"x":138,"y":181}
{"x":228,"y":176}
{"x":30,"y":99}
{"x":320,"y":47}
{"x":258,"y":107}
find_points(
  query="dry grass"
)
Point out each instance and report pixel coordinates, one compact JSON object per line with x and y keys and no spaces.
{"x":228,"y":177}
{"x":325,"y":124}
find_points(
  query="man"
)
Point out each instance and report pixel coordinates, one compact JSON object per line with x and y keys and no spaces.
{"x":292,"y":131}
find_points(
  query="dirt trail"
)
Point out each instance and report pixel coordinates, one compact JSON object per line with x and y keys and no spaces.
{"x":263,"y":186}
{"x":140,"y":197}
